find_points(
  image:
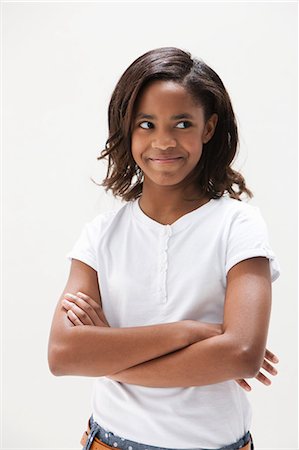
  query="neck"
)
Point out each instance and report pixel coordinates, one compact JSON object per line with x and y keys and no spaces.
{"x":163,"y":201}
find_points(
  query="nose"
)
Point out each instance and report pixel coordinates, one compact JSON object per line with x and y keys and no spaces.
{"x":163,"y":141}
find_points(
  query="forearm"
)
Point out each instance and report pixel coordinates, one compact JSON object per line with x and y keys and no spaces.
{"x":237,"y":353}
{"x":98,"y":351}
{"x":210,"y":361}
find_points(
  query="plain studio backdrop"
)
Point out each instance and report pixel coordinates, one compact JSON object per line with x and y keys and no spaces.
{"x":61,"y":62}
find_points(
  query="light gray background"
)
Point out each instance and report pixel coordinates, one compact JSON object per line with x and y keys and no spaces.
{"x":60,"y":64}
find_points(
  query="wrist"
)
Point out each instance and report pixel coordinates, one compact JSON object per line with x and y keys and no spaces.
{"x":198,"y":331}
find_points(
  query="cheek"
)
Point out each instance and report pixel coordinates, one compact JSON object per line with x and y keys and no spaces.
{"x":194,"y":146}
{"x":191,"y":139}
{"x":136,"y":146}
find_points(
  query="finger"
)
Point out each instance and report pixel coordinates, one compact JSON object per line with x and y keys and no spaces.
{"x":73,"y":318}
{"x":79,"y":312}
{"x":263,"y":379}
{"x":244,"y":384}
{"x":88,"y":299}
{"x":95,"y":305}
{"x":87,"y":313}
{"x":271,"y":357}
{"x":269,"y":368}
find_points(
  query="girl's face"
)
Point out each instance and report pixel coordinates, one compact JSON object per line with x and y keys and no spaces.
{"x":168,"y":133}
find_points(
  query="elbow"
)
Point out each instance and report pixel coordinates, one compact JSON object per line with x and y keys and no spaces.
{"x":251,"y":362}
{"x":57,"y":360}
{"x":54,"y":362}
{"x":246,"y":358}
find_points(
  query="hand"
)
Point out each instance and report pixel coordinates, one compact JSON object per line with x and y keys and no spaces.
{"x":83,"y":310}
{"x":260,"y":377}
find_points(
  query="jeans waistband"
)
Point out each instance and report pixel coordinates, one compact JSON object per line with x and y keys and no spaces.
{"x":109,"y":438}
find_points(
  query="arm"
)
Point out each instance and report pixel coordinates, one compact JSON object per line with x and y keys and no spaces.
{"x":237,"y":353}
{"x":101,"y":350}
{"x":83,"y":310}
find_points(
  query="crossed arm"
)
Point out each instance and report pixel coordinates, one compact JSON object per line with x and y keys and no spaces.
{"x":185,"y":353}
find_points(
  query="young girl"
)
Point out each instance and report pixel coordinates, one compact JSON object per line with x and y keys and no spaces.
{"x":169,"y":296}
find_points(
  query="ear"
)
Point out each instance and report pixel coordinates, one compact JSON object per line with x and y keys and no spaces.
{"x":210,"y":127}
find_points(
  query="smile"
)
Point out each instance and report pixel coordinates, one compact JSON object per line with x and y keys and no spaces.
{"x":165,"y":161}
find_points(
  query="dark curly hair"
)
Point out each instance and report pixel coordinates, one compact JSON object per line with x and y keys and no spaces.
{"x":213,"y":174}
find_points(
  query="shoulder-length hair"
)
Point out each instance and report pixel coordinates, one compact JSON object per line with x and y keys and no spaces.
{"x":213,"y":174}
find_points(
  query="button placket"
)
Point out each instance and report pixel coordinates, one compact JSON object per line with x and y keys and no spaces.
{"x":167,"y":232}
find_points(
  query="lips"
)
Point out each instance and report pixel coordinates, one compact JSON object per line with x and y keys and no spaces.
{"x":164,"y":161}
{"x":165,"y":158}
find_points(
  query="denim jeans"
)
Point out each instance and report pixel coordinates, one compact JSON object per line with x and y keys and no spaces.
{"x":107,"y":437}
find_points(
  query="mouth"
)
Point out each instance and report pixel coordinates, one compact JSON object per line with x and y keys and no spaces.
{"x":165,"y":160}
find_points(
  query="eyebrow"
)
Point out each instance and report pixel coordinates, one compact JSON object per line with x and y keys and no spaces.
{"x":178,"y":116}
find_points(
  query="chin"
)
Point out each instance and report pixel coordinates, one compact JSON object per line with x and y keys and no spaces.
{"x":166,"y":181}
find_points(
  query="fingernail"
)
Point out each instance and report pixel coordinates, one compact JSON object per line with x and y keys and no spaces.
{"x":70,"y":295}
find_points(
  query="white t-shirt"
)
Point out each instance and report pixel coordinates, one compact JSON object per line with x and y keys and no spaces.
{"x":151,"y":273}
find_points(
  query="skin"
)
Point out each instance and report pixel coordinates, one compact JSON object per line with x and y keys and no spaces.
{"x":234,"y":350}
{"x":81,"y":310}
{"x":166,"y":194}
{"x":75,"y":350}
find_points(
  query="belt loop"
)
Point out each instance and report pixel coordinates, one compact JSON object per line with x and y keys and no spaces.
{"x":91,"y":436}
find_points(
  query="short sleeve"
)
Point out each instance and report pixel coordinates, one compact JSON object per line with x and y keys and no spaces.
{"x":248,"y":238}
{"x":84,"y":247}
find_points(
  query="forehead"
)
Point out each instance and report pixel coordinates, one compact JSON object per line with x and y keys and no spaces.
{"x":165,"y":95}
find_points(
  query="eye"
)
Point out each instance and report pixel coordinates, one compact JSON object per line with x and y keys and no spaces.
{"x":189,"y":124}
{"x":145,"y":128}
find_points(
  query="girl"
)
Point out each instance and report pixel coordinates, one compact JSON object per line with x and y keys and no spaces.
{"x":168,"y":299}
